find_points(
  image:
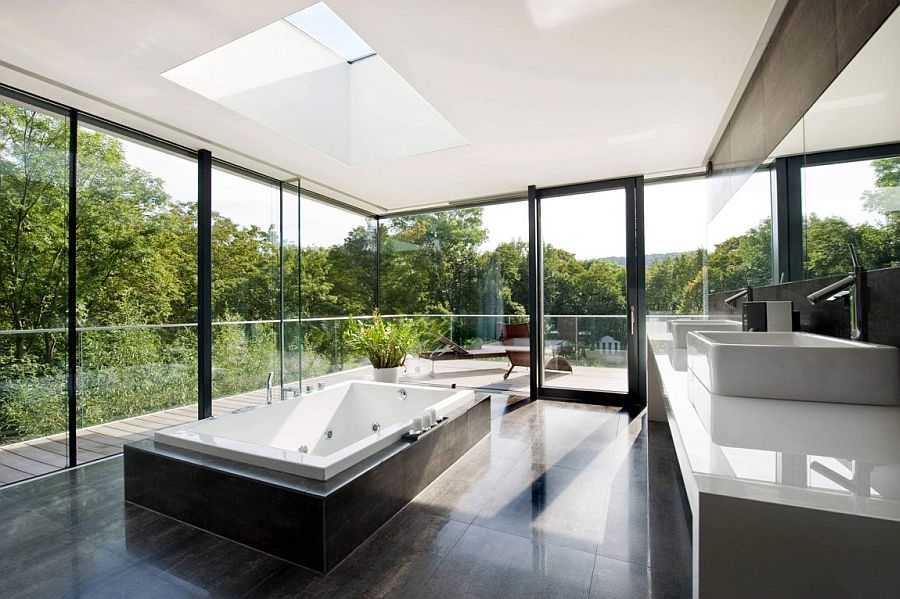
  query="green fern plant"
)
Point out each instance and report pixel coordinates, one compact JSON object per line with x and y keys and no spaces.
{"x":386,"y":344}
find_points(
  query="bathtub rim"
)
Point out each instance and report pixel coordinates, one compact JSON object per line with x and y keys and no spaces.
{"x":322,"y":468}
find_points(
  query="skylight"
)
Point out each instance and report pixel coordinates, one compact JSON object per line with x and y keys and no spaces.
{"x":303,"y":76}
{"x":323,"y":25}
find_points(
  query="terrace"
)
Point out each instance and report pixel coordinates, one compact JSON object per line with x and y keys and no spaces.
{"x":37,"y":455}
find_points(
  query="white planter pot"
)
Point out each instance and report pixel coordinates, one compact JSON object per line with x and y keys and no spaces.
{"x":386,"y":375}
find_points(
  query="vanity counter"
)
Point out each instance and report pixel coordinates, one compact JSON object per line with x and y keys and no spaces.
{"x":788,"y":498}
{"x":837,"y":457}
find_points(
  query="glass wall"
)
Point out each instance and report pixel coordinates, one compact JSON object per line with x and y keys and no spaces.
{"x":338,"y":280}
{"x":850,"y":202}
{"x":739,"y":237}
{"x":461,"y":274}
{"x":585,"y":302}
{"x":675,"y":246}
{"x":33,"y":305}
{"x":290,"y":326}
{"x":246,"y":286}
{"x":136,"y":263}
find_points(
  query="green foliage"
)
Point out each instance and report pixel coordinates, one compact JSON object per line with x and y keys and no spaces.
{"x":386,"y":344}
{"x":674,"y":285}
{"x":137,"y":264}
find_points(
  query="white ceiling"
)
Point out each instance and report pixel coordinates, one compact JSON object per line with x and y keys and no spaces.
{"x":545,"y":91}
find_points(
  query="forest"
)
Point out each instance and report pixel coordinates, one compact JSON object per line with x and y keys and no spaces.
{"x":136,"y":281}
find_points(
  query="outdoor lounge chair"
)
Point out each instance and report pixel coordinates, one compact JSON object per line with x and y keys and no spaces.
{"x":453,"y":351}
{"x":516,"y":339}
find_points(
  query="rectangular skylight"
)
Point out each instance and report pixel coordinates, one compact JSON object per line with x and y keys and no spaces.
{"x":304,"y":77}
{"x":323,"y":25}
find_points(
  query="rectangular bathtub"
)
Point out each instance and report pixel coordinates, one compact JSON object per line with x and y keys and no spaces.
{"x":319,"y":434}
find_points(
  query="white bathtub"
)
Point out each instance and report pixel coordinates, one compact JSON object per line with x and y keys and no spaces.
{"x":271,"y":435}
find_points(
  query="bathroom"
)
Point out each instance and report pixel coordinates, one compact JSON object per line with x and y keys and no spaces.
{"x":270,"y":324}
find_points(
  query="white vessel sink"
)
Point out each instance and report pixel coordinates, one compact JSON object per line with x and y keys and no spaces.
{"x":799,"y":366}
{"x":680,"y":328}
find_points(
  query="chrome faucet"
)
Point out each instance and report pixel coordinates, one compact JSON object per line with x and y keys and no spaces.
{"x":855,"y":287}
{"x":748,"y":291}
{"x":269,"y":387}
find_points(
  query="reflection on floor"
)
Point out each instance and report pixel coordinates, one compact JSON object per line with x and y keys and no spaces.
{"x":488,"y":374}
{"x":561,"y":500}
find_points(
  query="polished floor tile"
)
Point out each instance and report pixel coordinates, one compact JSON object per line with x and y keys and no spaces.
{"x":614,"y":579}
{"x":556,"y":505}
{"x":487,"y":563}
{"x":467,"y":486}
{"x":561,"y":500}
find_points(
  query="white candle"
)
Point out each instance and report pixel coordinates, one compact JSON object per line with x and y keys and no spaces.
{"x":432,"y":416}
{"x":417,"y":423}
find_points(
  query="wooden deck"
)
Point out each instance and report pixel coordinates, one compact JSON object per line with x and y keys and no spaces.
{"x":34,"y":457}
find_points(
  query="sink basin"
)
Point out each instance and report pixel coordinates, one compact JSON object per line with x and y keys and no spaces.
{"x":681,"y":328}
{"x":799,"y":366}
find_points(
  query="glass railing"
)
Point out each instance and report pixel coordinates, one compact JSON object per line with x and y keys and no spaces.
{"x":33,"y":399}
{"x":132,"y":370}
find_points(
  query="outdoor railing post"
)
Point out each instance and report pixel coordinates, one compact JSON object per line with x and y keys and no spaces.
{"x":576,"y":338}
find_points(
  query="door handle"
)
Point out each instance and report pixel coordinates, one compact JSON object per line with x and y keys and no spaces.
{"x":632,"y":312}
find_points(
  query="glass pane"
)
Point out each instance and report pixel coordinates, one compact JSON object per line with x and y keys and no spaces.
{"x":674,"y":242}
{"x":245,"y":290}
{"x":462,"y":275}
{"x":851,"y":202}
{"x":290,"y":351}
{"x":137,"y":291}
{"x":33,"y":274}
{"x":739,"y":237}
{"x":338,"y":280}
{"x":323,"y":25}
{"x":585,"y":324}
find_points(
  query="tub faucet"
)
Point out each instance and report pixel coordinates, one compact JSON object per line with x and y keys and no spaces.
{"x":854,"y":287}
{"x":269,"y":387}
{"x":748,"y":291}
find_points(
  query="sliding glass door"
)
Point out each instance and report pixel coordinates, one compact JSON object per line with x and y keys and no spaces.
{"x":588,"y":291}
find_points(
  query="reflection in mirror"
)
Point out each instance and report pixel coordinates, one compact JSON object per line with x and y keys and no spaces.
{"x":740,"y":237}
{"x":850,"y":173}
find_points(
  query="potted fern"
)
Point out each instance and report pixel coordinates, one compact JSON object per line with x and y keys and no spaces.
{"x":386,"y":344}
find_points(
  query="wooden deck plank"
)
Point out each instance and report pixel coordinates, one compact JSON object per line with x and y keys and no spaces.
{"x":156,"y":422}
{"x":26,"y":465}
{"x":47,"y":444}
{"x":89,"y":456}
{"x":11,"y":475}
{"x":104,"y":436}
{"x":113,"y":431}
{"x":121,"y":425}
{"x":96,"y":442}
{"x":39,"y":455}
{"x":171,"y":416}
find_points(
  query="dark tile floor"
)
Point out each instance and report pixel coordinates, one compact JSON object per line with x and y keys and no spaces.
{"x":562,"y":500}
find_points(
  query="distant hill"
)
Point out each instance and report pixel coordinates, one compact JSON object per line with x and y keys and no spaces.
{"x":648,"y":258}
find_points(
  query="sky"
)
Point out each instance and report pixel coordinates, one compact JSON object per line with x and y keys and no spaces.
{"x":589,"y":225}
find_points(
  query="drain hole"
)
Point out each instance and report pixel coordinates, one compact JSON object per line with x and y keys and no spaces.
{"x":329,"y":434}
{"x":376,"y":427}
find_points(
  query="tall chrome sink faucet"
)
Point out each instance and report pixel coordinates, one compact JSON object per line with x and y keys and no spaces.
{"x":855,"y":286}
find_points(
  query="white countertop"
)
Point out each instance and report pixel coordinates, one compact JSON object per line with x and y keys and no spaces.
{"x":836,"y":457}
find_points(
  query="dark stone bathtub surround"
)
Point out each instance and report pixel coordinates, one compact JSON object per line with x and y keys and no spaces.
{"x":831,"y":318}
{"x":312,"y":523}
